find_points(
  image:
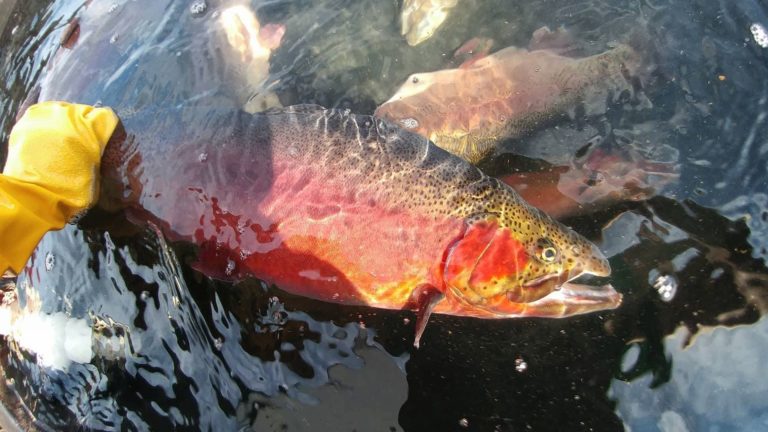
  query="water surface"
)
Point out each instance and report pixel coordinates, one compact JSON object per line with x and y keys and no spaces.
{"x":173,"y":349}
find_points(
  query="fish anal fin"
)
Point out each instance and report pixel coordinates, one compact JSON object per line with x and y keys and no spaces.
{"x":423,"y":300}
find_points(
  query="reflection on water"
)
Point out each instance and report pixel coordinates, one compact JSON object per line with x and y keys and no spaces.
{"x":161,"y":358}
{"x":714,"y":384}
{"x":674,"y":192}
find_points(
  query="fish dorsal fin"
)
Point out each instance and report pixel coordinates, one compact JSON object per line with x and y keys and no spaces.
{"x":559,"y":41}
{"x":296,"y":109}
{"x":423,"y":300}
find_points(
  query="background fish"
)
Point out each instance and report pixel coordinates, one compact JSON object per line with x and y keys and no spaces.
{"x":354,"y":210}
{"x":510,"y":93}
{"x":419,"y":19}
{"x":254,"y":43}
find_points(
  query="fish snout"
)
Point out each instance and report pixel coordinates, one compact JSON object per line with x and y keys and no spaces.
{"x":591,"y":261}
{"x":598,"y":263}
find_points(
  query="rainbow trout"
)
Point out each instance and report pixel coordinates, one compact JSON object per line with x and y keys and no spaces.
{"x":508,"y":94}
{"x":352,"y":209}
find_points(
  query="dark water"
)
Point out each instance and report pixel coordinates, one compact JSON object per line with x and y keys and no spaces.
{"x":175,"y":350}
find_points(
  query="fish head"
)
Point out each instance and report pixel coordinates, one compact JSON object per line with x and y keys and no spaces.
{"x":418,"y":107}
{"x":408,"y":106}
{"x":525,"y":265}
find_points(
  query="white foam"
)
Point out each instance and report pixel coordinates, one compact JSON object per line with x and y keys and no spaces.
{"x":56,"y":339}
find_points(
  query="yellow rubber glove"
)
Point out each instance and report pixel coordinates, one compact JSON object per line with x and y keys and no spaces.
{"x":51,"y":174}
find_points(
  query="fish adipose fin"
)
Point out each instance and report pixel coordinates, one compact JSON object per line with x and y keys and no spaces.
{"x":423,"y":300}
{"x":560,"y":41}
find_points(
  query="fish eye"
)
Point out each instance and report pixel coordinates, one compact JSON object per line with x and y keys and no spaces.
{"x":548,"y":254}
{"x":546,"y":250}
{"x":409,"y":123}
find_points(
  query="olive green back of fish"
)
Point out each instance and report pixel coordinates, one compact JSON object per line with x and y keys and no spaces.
{"x":461,"y":112}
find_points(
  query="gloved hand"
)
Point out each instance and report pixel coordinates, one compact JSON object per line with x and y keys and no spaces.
{"x":51,"y":174}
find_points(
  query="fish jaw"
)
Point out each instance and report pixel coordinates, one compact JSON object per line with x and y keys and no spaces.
{"x":573,"y":299}
{"x":568,"y":300}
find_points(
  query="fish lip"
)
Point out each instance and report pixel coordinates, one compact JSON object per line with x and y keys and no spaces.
{"x":583,"y":295}
{"x":564,"y":278}
{"x":541,"y":279}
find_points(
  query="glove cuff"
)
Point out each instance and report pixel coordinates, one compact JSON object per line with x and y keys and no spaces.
{"x":27,"y":212}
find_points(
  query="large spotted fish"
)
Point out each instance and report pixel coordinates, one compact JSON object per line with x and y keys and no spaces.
{"x":351,"y":209}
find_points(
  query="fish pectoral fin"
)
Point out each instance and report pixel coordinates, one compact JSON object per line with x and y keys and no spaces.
{"x":423,"y":299}
{"x":472,"y":51}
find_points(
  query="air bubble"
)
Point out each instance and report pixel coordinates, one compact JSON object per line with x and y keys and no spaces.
{"x":520,"y":365}
{"x":463,"y":422}
{"x":50,"y":261}
{"x":198,"y":8}
{"x":218,"y":343}
{"x":144,"y":296}
{"x":230,"y":268}
{"x":113,"y":39}
{"x":666,"y":286}
{"x":760,"y":34}
{"x":203,"y":157}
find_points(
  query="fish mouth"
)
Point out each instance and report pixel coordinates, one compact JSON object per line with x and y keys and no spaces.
{"x":575,"y":299}
{"x":564,"y":297}
{"x":549,"y":279}
{"x":561,"y":278}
